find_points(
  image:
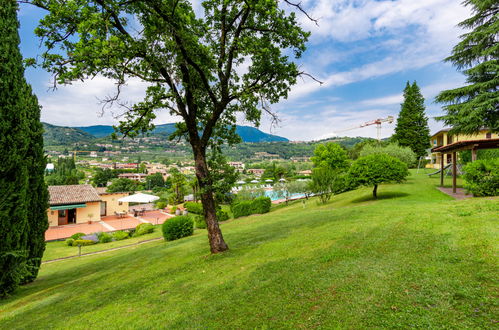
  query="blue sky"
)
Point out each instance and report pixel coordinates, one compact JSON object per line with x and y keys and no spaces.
{"x":364,"y":51}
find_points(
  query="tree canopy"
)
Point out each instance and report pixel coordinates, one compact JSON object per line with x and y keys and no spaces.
{"x":330,"y":155}
{"x":237,"y":57}
{"x":412,"y":124}
{"x":476,"y":105}
{"x":372,"y":170}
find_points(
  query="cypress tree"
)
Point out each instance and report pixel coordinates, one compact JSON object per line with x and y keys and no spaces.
{"x":475,"y":105}
{"x":412,"y":124}
{"x":38,"y":194}
{"x":13,"y":145}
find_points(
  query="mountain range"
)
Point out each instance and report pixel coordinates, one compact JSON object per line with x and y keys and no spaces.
{"x":61,"y":135}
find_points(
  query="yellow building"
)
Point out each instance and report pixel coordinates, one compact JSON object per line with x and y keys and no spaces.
{"x":443,"y":138}
{"x":73,"y":204}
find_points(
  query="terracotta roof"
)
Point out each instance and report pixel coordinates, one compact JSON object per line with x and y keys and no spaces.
{"x":72,"y":194}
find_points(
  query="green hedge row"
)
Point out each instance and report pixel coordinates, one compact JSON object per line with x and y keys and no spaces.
{"x":259,"y":205}
{"x":193,"y":207}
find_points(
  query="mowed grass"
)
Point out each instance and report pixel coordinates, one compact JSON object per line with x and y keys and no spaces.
{"x":413,"y":258}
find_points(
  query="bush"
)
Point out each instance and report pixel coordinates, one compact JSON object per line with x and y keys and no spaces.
{"x":199,"y":221}
{"x":178,"y":227}
{"x":482,"y":177}
{"x":77,"y":236}
{"x":161,"y":205}
{"x":83,"y":242}
{"x":143,"y":228}
{"x":105,"y":237}
{"x":222,"y":216}
{"x":69,"y":242}
{"x":261,"y":205}
{"x":193,"y":207}
{"x":258,"y":205}
{"x":120,"y":235}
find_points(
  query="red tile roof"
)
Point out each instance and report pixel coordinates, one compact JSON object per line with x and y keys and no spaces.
{"x":72,"y":194}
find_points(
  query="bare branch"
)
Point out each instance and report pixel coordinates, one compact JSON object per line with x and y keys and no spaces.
{"x":300,"y":8}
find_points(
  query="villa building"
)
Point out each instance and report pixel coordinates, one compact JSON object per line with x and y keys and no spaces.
{"x":442,"y":138}
{"x":83,"y":203}
{"x":139,"y":177}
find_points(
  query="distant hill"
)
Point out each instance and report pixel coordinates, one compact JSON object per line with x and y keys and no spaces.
{"x":247,"y":133}
{"x":60,"y":135}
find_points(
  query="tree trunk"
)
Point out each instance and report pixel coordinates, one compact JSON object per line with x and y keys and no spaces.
{"x":215,"y":237}
{"x":375,"y":191}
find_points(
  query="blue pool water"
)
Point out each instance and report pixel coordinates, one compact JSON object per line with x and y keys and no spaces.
{"x":274,"y":196}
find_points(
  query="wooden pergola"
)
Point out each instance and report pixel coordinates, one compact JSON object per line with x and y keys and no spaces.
{"x":453,"y":148}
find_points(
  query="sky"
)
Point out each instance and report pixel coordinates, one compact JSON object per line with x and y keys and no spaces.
{"x":363,"y":50}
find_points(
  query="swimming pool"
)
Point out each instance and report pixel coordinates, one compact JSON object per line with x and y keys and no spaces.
{"x":275,"y":196}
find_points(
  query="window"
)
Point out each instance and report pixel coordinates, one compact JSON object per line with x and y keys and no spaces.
{"x":62,"y":213}
{"x":488,"y":135}
{"x":120,"y":203}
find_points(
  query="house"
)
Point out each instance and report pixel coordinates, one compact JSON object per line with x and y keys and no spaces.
{"x":140,"y":177}
{"x":443,"y":138}
{"x":256,"y":171}
{"x":239,"y":166}
{"x":73,"y":204}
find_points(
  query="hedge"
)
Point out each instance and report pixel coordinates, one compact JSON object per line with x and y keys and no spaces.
{"x":259,"y":205}
{"x":143,"y":228}
{"x":178,"y":227}
{"x":83,"y":242}
{"x":193,"y":207}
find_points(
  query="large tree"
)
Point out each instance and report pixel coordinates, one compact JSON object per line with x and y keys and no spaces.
{"x":205,"y":69}
{"x":412,"y":124}
{"x":23,"y":218}
{"x":475,"y":105}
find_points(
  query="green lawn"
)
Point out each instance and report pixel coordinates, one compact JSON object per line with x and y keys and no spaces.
{"x":413,"y":258}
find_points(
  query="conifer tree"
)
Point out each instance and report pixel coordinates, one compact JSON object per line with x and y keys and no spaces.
{"x":412,"y":124}
{"x":13,"y":145}
{"x":475,"y":105}
{"x":38,"y":194}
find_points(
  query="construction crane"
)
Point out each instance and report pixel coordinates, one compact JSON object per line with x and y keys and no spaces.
{"x":376,"y":122}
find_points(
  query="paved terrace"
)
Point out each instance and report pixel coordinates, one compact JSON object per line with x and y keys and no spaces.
{"x":107,"y":224}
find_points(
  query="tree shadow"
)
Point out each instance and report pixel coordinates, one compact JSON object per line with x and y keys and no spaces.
{"x":381,"y":196}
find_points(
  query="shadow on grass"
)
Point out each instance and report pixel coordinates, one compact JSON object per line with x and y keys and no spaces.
{"x":381,"y":196}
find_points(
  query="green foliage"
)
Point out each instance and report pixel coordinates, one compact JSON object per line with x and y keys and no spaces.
{"x":250,"y":193}
{"x":412,"y":124}
{"x":120,"y":235}
{"x":177,"y":181}
{"x":83,"y":242}
{"x":77,"y":236}
{"x":465,"y":156}
{"x":65,"y":173}
{"x":259,"y":205}
{"x":161,"y":204}
{"x":104,"y":237}
{"x":193,"y":207}
{"x":102,"y":176}
{"x":143,"y":228}
{"x":375,"y":169}
{"x":178,"y":227}
{"x":474,"y":106}
{"x":324,"y":183}
{"x":482,"y":177}
{"x":330,"y":155}
{"x":155,"y":180}
{"x":199,"y":221}
{"x":124,"y":185}
{"x":69,"y":241}
{"x":222,"y":216}
{"x":404,"y":154}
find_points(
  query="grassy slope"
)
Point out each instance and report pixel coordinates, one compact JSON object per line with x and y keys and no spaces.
{"x":414,"y":258}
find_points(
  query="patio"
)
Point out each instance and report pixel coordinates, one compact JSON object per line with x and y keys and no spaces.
{"x":107,"y":224}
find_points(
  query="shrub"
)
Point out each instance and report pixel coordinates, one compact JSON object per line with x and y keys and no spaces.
{"x":83,"y":242}
{"x":120,"y":235}
{"x":161,"y":205}
{"x":77,"y":236}
{"x":105,"y":237}
{"x":143,"y":228}
{"x":242,"y":209}
{"x":178,"y":227}
{"x":258,"y":205}
{"x":199,"y":221}
{"x":69,"y":242}
{"x":193,"y":207}
{"x":482,"y":177}
{"x":261,"y":205}
{"x":222,"y":216}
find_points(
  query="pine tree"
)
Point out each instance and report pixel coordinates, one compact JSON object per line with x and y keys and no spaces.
{"x":38,"y":194}
{"x":412,"y":124}
{"x":13,"y":145}
{"x":475,"y":105}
